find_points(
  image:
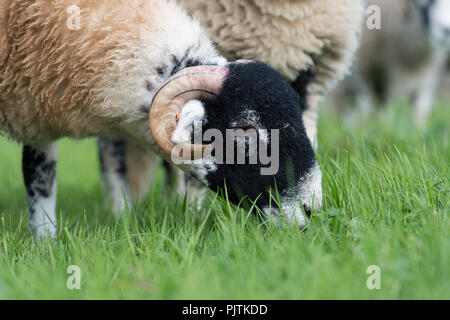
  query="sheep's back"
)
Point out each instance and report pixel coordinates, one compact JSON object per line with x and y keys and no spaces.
{"x":4,"y":47}
{"x":292,"y":36}
{"x":400,"y":43}
{"x":53,"y":72}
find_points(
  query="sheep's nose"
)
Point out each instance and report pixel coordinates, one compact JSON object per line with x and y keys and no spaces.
{"x":307,"y":211}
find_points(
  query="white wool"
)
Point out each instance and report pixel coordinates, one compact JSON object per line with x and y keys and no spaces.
{"x":308,"y":192}
{"x":191,"y":116}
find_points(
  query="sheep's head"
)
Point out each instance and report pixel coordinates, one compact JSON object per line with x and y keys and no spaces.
{"x":240,"y":126}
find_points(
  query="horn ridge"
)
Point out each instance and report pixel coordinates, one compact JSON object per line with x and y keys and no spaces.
{"x":199,"y":82}
{"x":194,"y":90}
{"x":183,"y":73}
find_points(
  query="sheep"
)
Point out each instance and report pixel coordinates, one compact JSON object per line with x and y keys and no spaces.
{"x":147,"y":71}
{"x":305,"y":40}
{"x":311,"y":43}
{"x":412,"y":49}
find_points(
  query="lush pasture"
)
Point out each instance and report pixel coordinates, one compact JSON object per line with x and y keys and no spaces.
{"x":386,"y":203}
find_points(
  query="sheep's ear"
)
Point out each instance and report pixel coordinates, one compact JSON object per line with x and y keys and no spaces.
{"x":189,"y":122}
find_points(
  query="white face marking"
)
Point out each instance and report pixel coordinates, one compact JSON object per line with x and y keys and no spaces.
{"x":308,"y":192}
{"x":202,"y":167}
{"x":310,"y":188}
{"x":251,"y":119}
{"x":255,"y":121}
{"x":192,"y":116}
{"x":291,"y":210}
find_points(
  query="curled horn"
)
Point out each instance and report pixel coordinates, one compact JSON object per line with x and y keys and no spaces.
{"x":200,"y":82}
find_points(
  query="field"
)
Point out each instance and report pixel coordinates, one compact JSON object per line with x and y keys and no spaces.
{"x":386,"y":204}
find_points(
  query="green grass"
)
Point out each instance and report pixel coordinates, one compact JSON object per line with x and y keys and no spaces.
{"x":386,"y":203}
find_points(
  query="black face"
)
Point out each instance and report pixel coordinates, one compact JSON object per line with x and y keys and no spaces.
{"x":257,"y":98}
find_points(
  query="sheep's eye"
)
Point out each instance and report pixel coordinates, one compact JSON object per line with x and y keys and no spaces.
{"x":245,"y":128}
{"x":242,"y":126}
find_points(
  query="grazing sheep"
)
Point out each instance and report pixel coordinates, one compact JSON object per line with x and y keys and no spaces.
{"x":146,"y":71}
{"x":412,"y":49}
{"x":311,"y":43}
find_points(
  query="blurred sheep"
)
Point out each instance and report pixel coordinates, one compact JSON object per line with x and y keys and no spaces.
{"x":404,"y":61}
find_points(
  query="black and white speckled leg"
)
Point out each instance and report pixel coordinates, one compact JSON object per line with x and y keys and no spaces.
{"x":181,"y":183}
{"x":39,"y":172}
{"x":175,"y":178}
{"x":432,"y":76}
{"x":113,"y":167}
{"x":197,"y":191}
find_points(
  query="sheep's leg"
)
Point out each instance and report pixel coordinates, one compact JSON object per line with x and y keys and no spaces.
{"x":197,"y":191}
{"x":183,"y":183}
{"x":39,"y":171}
{"x":140,"y":164}
{"x":175,"y":178}
{"x":363,"y":97}
{"x":429,"y":85}
{"x":127,"y":170}
{"x":113,"y":168}
{"x":311,"y":95}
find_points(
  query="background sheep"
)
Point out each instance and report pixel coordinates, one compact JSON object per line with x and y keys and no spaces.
{"x":310,"y":42}
{"x":101,"y":78}
{"x":412,"y":49}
